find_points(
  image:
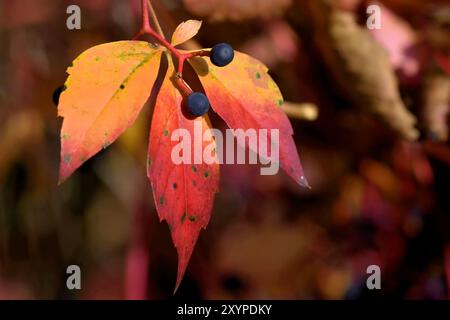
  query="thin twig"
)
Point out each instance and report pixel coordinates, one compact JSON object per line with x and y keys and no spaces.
{"x":155,"y":19}
{"x":301,"y":111}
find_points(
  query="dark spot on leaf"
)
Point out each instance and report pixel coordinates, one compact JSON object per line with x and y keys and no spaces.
{"x":166,"y":132}
{"x":192,"y":218}
{"x":161,"y":201}
{"x":175,"y":186}
{"x":194,"y":169}
{"x":183,"y":217}
{"x":206,"y":174}
{"x":280,"y":102}
{"x":67,"y":158}
{"x":122,"y":86}
{"x":65,"y":136}
{"x":258,"y":75}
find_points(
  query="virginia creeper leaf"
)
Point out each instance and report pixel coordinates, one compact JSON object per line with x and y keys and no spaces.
{"x":185,"y":31}
{"x":245,"y":97}
{"x":107,"y":87}
{"x":183,"y":193}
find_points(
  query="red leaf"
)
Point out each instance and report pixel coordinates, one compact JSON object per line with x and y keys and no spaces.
{"x":183,"y":193}
{"x":246,"y":97}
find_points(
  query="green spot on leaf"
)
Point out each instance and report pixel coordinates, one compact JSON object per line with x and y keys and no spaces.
{"x":192,"y":218}
{"x":97,"y":58}
{"x":66,"y":136}
{"x":183,"y":217}
{"x":258,"y":75}
{"x":166,"y":132}
{"x":161,"y":200}
{"x":280,"y":102}
{"x":206,"y":174}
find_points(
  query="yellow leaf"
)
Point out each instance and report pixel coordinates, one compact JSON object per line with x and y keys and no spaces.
{"x":106,"y":89}
{"x":186,"y":31}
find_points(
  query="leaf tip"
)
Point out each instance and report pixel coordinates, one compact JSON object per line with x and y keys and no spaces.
{"x":304,"y":182}
{"x":61,"y":179}
{"x":180,"y":276}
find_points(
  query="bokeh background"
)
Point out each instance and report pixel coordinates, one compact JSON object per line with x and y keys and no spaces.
{"x":370,"y":114}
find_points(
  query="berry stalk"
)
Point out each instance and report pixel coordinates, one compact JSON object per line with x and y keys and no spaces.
{"x":181,"y":58}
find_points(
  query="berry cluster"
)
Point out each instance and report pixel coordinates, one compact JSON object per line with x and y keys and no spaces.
{"x":221,"y":55}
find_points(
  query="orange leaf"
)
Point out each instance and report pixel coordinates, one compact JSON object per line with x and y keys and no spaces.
{"x":183,"y":193}
{"x":245,"y":97}
{"x":106,"y":89}
{"x":186,"y":31}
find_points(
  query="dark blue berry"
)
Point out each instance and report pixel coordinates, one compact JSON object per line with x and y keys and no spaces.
{"x":198,"y":104}
{"x":57,"y":94}
{"x":222,"y":54}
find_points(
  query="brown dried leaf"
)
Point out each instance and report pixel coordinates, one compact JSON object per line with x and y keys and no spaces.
{"x":360,"y":67}
{"x":436,"y":105}
{"x":438,"y":30}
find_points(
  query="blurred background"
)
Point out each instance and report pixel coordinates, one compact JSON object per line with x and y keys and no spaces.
{"x":370,"y":114}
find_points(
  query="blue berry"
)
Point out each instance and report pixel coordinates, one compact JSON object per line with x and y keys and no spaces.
{"x":198,"y":104}
{"x":222,"y":54}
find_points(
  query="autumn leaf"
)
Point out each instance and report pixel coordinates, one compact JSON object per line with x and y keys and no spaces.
{"x":244,"y":95}
{"x":183,"y":193}
{"x":186,"y":31}
{"x":106,"y":89}
{"x":436,"y":104}
{"x":360,"y":67}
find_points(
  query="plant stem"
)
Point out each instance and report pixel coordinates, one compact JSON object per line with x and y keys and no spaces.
{"x":181,"y":58}
{"x":155,"y":19}
{"x":145,"y":18}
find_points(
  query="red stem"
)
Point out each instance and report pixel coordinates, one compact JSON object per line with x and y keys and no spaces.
{"x":181,"y":58}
